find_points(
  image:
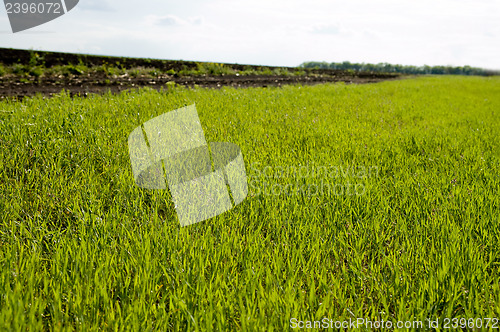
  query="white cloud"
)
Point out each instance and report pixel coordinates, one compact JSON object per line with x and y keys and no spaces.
{"x":172,"y":20}
{"x":456,"y":32}
{"x":327,"y":29}
{"x":167,"y":20}
{"x":95,"y":5}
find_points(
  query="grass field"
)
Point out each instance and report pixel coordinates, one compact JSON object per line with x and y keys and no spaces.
{"x":376,"y":201}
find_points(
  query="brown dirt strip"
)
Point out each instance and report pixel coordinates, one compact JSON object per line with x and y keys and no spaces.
{"x":14,"y":87}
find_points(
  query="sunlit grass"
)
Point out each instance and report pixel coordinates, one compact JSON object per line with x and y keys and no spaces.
{"x":82,"y":247}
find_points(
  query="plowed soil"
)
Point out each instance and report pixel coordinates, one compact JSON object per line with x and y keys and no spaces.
{"x":12,"y":86}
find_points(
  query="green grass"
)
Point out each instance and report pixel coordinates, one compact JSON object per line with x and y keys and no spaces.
{"x":81,"y":247}
{"x":37,"y":69}
{"x":211,"y":69}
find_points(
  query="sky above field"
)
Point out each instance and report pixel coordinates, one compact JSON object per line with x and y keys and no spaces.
{"x":277,"y":32}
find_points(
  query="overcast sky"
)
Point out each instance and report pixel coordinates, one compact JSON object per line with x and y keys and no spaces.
{"x":276,"y":32}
